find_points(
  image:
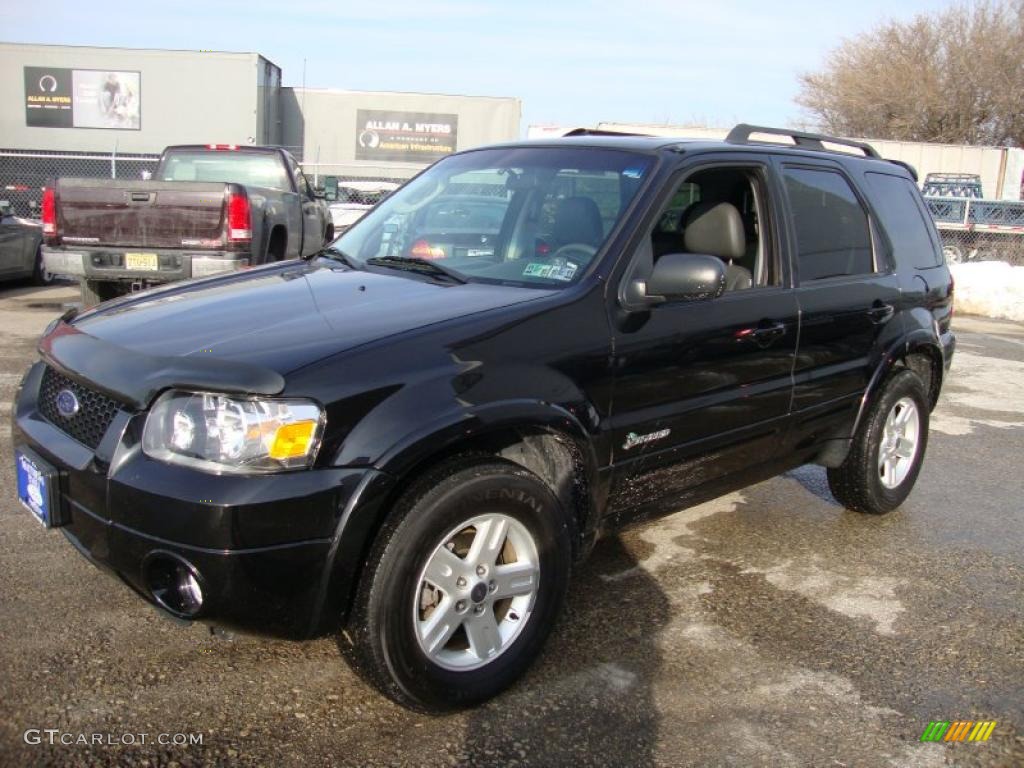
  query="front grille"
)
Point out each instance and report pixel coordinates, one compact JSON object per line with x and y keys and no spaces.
{"x":95,"y":410}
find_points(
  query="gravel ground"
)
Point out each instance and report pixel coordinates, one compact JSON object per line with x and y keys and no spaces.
{"x":769,"y":627}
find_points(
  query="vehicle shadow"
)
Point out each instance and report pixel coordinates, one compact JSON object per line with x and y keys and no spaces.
{"x":590,"y":698}
{"x":814,"y":480}
{"x":59,"y":292}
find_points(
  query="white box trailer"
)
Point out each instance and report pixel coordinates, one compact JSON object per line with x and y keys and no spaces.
{"x":1001,"y":168}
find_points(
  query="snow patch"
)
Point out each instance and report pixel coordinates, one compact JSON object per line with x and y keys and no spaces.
{"x":859,"y":597}
{"x":986,"y":383}
{"x":989,"y":288}
{"x":956,"y":426}
{"x":603,"y":677}
{"x":664,"y":533}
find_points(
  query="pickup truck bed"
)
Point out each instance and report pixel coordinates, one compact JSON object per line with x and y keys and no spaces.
{"x":209,"y":213}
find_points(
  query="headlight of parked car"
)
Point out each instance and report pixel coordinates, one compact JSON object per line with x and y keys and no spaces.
{"x":228,"y":434}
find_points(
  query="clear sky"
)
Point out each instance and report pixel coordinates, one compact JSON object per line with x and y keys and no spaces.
{"x":717,"y":62}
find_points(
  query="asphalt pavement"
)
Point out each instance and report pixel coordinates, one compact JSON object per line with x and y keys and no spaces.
{"x":766,"y":628}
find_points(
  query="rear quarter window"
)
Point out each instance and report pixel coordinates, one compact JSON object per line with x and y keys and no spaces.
{"x":898,"y":206}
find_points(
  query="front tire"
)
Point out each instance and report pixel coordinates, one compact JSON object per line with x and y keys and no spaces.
{"x":462,"y":586}
{"x":888,"y":449}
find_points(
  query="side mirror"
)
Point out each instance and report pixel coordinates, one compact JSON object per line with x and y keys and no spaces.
{"x":319,"y":193}
{"x":684,"y":277}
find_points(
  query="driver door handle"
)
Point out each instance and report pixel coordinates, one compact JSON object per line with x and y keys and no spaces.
{"x":763,"y":334}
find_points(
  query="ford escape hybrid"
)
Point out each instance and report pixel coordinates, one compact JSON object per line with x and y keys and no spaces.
{"x":408,"y":438}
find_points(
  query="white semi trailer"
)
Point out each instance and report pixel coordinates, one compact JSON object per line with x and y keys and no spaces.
{"x":982,"y":217}
{"x":1001,"y":168}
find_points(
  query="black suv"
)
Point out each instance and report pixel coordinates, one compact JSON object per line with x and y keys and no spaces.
{"x":410,"y":437}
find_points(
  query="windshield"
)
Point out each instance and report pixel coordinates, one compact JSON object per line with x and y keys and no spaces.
{"x":249,"y":168}
{"x":533,"y":216}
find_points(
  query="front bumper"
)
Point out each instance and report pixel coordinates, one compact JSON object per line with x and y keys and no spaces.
{"x":108,"y":264}
{"x":263,"y":546}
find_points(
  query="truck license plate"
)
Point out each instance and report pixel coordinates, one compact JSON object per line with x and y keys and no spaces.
{"x":148,"y":262}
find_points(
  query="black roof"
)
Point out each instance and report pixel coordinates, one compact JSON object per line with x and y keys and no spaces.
{"x":806,"y":144}
{"x":212,"y":146}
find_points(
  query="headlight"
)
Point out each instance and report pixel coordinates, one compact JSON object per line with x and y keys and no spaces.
{"x":229,"y":434}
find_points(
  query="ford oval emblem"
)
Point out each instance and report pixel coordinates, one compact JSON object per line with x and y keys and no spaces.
{"x":67,"y":403}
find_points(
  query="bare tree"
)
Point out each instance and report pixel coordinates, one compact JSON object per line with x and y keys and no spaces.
{"x":955,"y":76}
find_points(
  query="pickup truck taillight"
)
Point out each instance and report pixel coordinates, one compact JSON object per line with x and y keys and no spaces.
{"x":49,"y":213}
{"x":239,"y":217}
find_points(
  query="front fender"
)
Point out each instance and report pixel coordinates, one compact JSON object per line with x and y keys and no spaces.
{"x":361,"y":518}
{"x":454,"y":427}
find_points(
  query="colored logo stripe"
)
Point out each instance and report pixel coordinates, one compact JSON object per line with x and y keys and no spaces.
{"x":959,"y":730}
{"x":935,"y":731}
{"x":982,"y":731}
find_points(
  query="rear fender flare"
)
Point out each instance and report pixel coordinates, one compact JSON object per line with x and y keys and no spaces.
{"x":918,"y":341}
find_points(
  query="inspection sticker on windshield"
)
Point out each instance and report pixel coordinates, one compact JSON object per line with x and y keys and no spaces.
{"x":551,"y":271}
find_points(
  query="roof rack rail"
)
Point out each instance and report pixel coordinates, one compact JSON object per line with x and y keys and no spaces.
{"x":903,"y":164}
{"x":742,"y":132}
{"x":599,"y":132}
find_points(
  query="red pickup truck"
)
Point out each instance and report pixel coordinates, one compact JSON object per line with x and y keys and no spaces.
{"x":207,"y":209}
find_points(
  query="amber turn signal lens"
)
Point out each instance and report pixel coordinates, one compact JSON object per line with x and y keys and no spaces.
{"x":293,"y":441}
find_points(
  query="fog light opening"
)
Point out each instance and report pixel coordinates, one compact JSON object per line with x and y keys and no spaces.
{"x":175,"y":585}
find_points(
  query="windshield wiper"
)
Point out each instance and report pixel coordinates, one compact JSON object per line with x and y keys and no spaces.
{"x":330,"y":252}
{"x":414,"y":264}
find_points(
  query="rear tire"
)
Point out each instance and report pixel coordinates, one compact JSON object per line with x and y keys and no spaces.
{"x":97,"y":291}
{"x":954,"y":254}
{"x":277,"y":244}
{"x":888,"y":449}
{"x":39,"y":274}
{"x":442,"y":621}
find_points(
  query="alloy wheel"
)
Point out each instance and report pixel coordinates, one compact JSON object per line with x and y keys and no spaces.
{"x":476,"y":592}
{"x":900,"y":437}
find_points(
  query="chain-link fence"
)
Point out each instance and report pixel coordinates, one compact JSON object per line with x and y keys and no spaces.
{"x":971,"y":230}
{"x":965,"y":245}
{"x":23,"y":174}
{"x":979,"y":230}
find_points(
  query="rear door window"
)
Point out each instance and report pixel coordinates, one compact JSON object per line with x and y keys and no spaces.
{"x":833,"y":238}
{"x":898,"y":205}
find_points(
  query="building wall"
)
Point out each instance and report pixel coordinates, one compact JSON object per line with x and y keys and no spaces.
{"x":320,"y":125}
{"x":178,"y":104}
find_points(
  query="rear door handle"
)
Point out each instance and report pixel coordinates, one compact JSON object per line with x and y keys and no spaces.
{"x":881,"y":313}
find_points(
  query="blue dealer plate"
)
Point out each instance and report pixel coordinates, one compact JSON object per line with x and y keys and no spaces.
{"x":36,"y":485}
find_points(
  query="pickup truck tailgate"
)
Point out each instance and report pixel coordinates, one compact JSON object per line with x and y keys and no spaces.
{"x":156,"y":214}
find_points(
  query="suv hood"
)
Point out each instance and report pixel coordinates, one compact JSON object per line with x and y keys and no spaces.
{"x":288,"y":315}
